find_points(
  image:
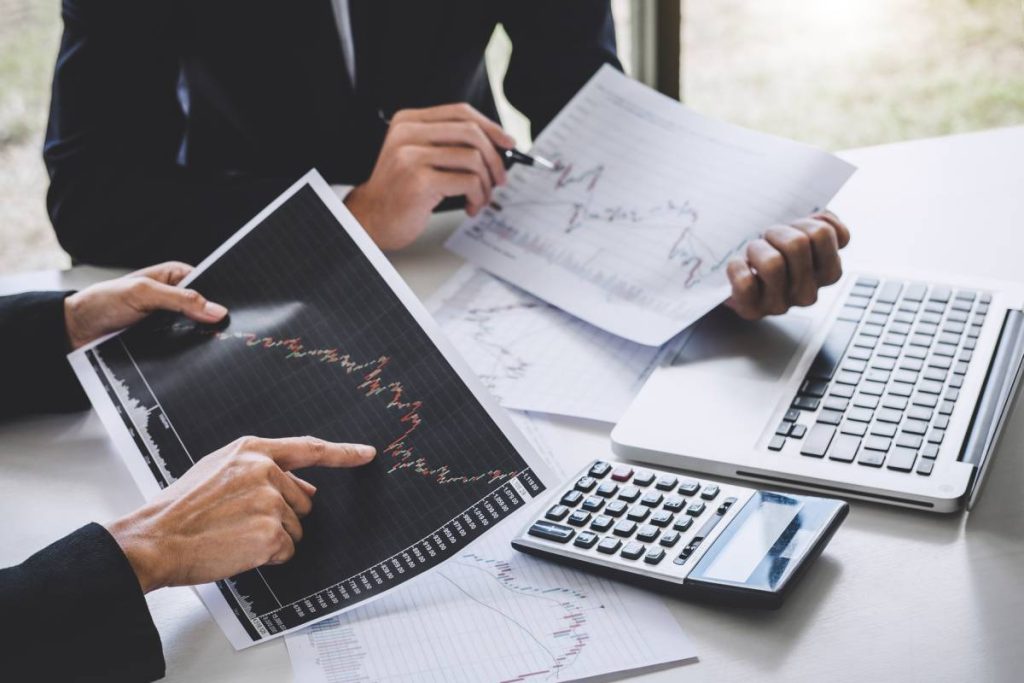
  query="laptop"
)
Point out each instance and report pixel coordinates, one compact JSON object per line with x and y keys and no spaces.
{"x":888,"y":389}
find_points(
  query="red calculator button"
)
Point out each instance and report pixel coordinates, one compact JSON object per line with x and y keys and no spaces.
{"x":622,"y":473}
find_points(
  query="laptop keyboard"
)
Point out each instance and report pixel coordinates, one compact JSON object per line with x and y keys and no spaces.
{"x":887,"y":378}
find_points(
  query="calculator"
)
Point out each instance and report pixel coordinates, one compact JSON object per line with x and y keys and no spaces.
{"x":691,"y":537}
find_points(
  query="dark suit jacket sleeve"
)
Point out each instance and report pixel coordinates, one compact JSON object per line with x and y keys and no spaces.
{"x":117,"y":195}
{"x":74,"y":611}
{"x":556,"y":47}
{"x":33,"y":343}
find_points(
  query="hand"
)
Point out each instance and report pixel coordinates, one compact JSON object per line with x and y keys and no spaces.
{"x":429,"y":154}
{"x":787,"y":266}
{"x":236,"y":509}
{"x":109,"y":306}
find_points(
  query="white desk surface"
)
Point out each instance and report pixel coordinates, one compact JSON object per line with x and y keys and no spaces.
{"x":898,"y":595}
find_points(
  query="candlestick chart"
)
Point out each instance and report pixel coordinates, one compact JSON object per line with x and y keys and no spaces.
{"x":318,"y":343}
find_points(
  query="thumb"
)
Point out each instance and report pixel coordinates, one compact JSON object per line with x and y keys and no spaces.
{"x":151,"y":295}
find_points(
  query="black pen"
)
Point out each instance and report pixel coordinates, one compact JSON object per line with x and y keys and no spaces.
{"x":511,"y":156}
{"x":514,"y":156}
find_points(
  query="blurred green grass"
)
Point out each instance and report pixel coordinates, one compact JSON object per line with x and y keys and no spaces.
{"x":834,"y":73}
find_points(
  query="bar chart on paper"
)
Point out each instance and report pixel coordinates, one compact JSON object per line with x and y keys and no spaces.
{"x":533,"y":356}
{"x":492,"y":614}
{"x":317,"y":342}
{"x":649,"y":203}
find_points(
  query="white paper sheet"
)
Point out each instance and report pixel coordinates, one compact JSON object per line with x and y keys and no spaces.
{"x":632,"y":234}
{"x":494,"y":614}
{"x":533,"y":356}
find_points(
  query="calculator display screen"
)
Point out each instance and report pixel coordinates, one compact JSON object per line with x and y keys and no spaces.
{"x":763,"y":545}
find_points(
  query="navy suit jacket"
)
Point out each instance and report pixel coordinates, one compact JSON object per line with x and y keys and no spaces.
{"x":174,"y":121}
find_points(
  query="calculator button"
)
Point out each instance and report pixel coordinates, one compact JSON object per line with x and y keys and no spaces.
{"x":607,"y":489}
{"x":709,"y":492}
{"x":629,"y":493}
{"x":925,"y":467}
{"x":726,"y":504}
{"x":683,"y":523}
{"x":695,"y":509}
{"x":602,"y":523}
{"x":666,"y":482}
{"x":662,"y":518}
{"x":638,"y":513}
{"x":593,"y":504}
{"x":674,"y":503}
{"x":557,"y":513}
{"x":622,"y":473}
{"x":624,"y":528}
{"x":615,"y":508}
{"x":609,"y":545}
{"x":586,"y":484}
{"x":586,"y":539}
{"x":689,"y":487}
{"x":654,"y":556}
{"x":647,"y":533}
{"x":571,"y":498}
{"x":599,"y":469}
{"x":551,"y":532}
{"x":777,"y":443}
{"x":579,"y":518}
{"x":643,"y":478}
{"x":632,"y":550}
{"x":669,"y":538}
{"x":652,"y":499}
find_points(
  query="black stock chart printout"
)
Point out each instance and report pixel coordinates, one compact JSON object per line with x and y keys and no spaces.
{"x":317,"y":342}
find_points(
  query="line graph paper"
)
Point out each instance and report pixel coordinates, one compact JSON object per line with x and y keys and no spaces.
{"x":318,"y":342}
{"x":651,"y":200}
{"x":533,"y":356}
{"x":493,"y":614}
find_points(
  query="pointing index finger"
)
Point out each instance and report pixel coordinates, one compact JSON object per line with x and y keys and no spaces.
{"x":294,"y":453}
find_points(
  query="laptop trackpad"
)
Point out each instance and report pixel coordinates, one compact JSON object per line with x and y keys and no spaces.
{"x":722,"y":343}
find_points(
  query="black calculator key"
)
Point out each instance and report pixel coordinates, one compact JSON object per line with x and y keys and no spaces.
{"x":652,"y":499}
{"x":666,"y":482}
{"x":609,"y":545}
{"x":571,"y":498}
{"x":648,"y":533}
{"x":792,"y":415}
{"x":602,"y":523}
{"x":622,"y":473}
{"x":674,"y":503}
{"x":688,"y":487}
{"x":643,"y":478}
{"x":593,"y":504}
{"x":599,"y":469}
{"x":654,"y":556}
{"x":579,"y":518}
{"x":696,"y":509}
{"x":633,"y":550}
{"x":551,"y":532}
{"x":586,"y":484}
{"x":683,"y":524}
{"x":629,"y":493}
{"x":586,"y":539}
{"x":557,"y":513}
{"x":615,"y":508}
{"x":638,"y":513}
{"x":624,"y":528}
{"x":709,"y":492}
{"x":669,"y":538}
{"x":662,"y":518}
{"x":607,"y":489}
